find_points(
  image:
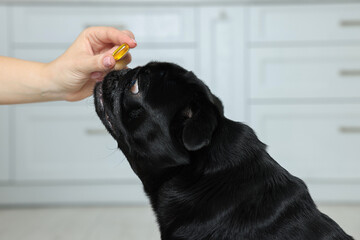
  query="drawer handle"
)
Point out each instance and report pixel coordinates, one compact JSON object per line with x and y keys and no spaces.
{"x":350,"y":73}
{"x":96,"y":131}
{"x":349,"y":129}
{"x":118,"y":26}
{"x":350,"y":23}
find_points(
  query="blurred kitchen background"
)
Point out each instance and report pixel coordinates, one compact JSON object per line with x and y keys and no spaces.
{"x":290,"y":69}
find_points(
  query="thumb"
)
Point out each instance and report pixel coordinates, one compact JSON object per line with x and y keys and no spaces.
{"x":99,"y":63}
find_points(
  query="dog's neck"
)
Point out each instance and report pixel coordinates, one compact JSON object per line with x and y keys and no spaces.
{"x":232,"y":156}
{"x":233,"y":146}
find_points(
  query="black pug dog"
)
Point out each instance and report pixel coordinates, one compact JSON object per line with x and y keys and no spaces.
{"x":207,"y":177}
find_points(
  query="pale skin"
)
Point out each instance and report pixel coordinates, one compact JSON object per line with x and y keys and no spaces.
{"x":70,"y":77}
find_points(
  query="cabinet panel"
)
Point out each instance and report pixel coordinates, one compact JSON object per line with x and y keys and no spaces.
{"x":183,"y":57}
{"x":95,"y":193}
{"x":140,"y":56}
{"x":63,"y":24}
{"x":315,"y":142}
{"x":305,"y":23}
{"x":38,"y":55}
{"x":47,"y":134}
{"x":4,"y":144}
{"x":65,"y":142}
{"x":311,"y":72}
{"x":4,"y":31}
{"x":222,"y":56}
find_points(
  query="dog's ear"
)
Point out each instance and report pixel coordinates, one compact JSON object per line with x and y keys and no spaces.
{"x":217,"y":102}
{"x":200,"y":123}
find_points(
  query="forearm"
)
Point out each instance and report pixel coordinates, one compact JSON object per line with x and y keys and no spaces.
{"x":24,"y":82}
{"x":71,"y":77}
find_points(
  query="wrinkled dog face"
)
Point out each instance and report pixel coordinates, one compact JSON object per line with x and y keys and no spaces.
{"x":158,"y":114}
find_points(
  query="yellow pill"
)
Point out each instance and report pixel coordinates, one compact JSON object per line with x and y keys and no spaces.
{"x":120,"y":51}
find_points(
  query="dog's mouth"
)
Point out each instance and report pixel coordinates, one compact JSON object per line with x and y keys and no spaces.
{"x":100,"y":106}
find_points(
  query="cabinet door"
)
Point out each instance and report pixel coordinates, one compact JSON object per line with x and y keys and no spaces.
{"x":308,"y":72}
{"x":184,"y":57}
{"x":67,"y":141}
{"x":61,"y":25}
{"x":4,"y":118}
{"x":222,"y":56}
{"x":3,"y":31}
{"x":319,"y":143}
{"x":140,"y":56}
{"x":276,"y":23}
{"x":4,"y":143}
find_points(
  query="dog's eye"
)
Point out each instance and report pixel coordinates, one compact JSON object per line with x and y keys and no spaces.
{"x":134,"y":87}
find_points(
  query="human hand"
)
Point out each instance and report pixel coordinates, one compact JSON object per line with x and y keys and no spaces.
{"x":74,"y":74}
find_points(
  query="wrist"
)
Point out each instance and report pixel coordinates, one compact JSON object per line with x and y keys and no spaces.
{"x":51,"y":90}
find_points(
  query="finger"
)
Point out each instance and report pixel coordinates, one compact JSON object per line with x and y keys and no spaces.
{"x":127,"y":58}
{"x":123,"y":62}
{"x":111,"y":35}
{"x":105,"y":62}
{"x":111,"y":50}
{"x":129,"y":33}
{"x":97,"y":76}
{"x":97,"y":63}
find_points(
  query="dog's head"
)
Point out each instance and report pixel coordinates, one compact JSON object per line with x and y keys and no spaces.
{"x":158,"y":114}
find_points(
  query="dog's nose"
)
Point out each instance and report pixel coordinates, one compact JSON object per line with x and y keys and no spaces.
{"x":124,"y":71}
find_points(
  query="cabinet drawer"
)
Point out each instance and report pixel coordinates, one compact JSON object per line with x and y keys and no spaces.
{"x":183,"y":57}
{"x":66,"y":142}
{"x":38,"y":55}
{"x":63,"y":24}
{"x":317,"y":142}
{"x":4,"y":144}
{"x":305,"y":23}
{"x":140,"y":56}
{"x":305,"y":72}
{"x":221,"y":56}
{"x":4,"y":31}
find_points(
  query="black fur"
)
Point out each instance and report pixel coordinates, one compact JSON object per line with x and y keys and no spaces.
{"x":207,"y":177}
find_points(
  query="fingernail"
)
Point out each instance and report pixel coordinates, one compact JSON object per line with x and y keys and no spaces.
{"x":107,"y":62}
{"x":134,"y":41}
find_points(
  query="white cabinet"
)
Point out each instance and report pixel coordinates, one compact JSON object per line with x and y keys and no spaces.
{"x":140,"y":55}
{"x":65,"y":143}
{"x":318,"y":143}
{"x":58,"y":24}
{"x":38,"y":54}
{"x":276,"y":66}
{"x":306,"y":72}
{"x":185,"y":57}
{"x":4,"y":110}
{"x":61,"y":152}
{"x":222,"y":56}
{"x":304,"y":81}
{"x":4,"y":144}
{"x":305,"y":23}
{"x":4,"y":47}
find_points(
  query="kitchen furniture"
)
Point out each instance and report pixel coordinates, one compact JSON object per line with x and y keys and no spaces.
{"x":290,"y":70}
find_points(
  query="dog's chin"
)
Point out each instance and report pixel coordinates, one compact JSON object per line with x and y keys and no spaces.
{"x":98,"y":97}
{"x":100,"y":107}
